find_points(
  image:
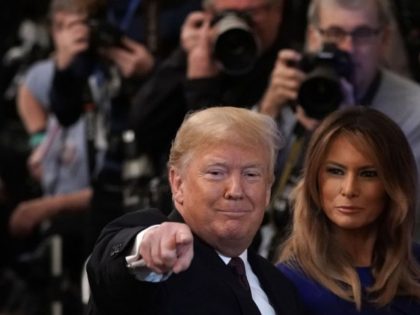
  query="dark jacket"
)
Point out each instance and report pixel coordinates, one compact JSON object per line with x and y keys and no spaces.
{"x":206,"y":287}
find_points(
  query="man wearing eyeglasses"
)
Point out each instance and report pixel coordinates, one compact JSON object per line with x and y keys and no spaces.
{"x":362,"y":29}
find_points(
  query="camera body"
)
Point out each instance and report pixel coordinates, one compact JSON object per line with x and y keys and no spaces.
{"x":320,"y":93}
{"x":236,"y":45}
{"x":104,"y":34}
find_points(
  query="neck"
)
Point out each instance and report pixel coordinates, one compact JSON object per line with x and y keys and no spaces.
{"x":366,"y":96}
{"x":358,"y":244}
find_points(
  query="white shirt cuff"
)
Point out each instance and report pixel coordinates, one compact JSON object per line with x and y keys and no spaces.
{"x":138,"y":267}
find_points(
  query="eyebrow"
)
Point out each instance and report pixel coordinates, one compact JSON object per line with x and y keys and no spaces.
{"x":369,"y":166}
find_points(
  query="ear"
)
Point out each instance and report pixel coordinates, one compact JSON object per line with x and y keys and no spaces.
{"x":177,"y":187}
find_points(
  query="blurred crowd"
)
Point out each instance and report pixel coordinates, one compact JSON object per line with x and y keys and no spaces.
{"x":93,"y":91}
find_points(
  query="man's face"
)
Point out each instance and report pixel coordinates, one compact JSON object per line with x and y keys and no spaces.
{"x":222,"y":194}
{"x":365,"y":45}
{"x":266,"y":17}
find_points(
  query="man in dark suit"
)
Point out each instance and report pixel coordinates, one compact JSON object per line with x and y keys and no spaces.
{"x":197,"y":261}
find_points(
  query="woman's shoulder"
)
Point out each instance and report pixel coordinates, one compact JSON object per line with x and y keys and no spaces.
{"x":315,"y":297}
{"x":296,"y":275}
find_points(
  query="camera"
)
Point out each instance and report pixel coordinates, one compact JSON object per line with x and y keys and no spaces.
{"x":236,"y":45}
{"x":104,"y":34}
{"x":320,"y":93}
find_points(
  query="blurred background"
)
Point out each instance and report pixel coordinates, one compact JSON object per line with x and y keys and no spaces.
{"x":29,"y":280}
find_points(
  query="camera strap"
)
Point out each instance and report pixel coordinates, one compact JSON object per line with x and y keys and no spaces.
{"x":124,"y":23}
{"x":90,"y":119}
{"x":292,"y":165}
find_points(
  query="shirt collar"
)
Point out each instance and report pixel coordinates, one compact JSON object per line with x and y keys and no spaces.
{"x":226,"y":259}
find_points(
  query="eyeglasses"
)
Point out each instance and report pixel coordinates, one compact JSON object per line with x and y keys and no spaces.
{"x":360,"y":35}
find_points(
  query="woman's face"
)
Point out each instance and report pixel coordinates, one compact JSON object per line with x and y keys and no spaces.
{"x":352,"y":193}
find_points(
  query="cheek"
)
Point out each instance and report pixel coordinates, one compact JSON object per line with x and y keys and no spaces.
{"x":329,"y":189}
{"x":203,"y":193}
{"x":259,"y":196}
{"x":377,"y":195}
{"x":367,"y":58}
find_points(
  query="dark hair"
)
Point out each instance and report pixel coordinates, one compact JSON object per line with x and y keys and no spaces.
{"x":310,"y":244}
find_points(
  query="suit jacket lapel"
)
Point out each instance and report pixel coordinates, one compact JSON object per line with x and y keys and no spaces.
{"x":270,"y":287}
{"x":218,"y":270}
{"x":215,"y":265}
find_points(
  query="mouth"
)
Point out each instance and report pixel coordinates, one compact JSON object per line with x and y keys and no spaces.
{"x":235,"y":213}
{"x":348,"y":209}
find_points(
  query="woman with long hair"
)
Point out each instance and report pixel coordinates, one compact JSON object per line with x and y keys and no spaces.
{"x":350,"y":250}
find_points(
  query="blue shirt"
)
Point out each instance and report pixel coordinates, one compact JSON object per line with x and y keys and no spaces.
{"x":320,"y":301}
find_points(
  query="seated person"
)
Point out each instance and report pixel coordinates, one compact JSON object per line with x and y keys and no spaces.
{"x":351,"y":247}
{"x":221,"y":168}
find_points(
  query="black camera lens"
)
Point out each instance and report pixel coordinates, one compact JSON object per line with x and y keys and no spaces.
{"x":320,"y":93}
{"x":236,"y":46}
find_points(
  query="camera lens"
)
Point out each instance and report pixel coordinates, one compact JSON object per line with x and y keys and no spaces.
{"x":235,"y":46}
{"x":320,"y":94}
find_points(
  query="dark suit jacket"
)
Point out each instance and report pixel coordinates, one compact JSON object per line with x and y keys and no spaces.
{"x":206,"y":287}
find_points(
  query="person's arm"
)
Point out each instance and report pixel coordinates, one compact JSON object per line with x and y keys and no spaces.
{"x":29,"y":214}
{"x":284,"y":83}
{"x":73,"y":64}
{"x":34,"y":119}
{"x":111,"y":282}
{"x":31,"y":112}
{"x":133,"y":59}
{"x":196,"y":40}
{"x":169,"y":246}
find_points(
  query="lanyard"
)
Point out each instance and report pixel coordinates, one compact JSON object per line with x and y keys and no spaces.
{"x":128,"y":16}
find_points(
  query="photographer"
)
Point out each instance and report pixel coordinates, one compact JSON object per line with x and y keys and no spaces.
{"x":226,"y":55}
{"x":361,"y":30}
{"x":106,"y":56}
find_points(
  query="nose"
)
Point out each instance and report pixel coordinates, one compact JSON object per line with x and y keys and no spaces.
{"x":349,"y":187}
{"x":234,"y":189}
{"x":347,"y":44}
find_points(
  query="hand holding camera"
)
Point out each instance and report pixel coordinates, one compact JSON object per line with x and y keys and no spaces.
{"x":196,"y":40}
{"x":225,"y":41}
{"x":284,"y":83}
{"x":132,"y":59}
{"x":322,"y":91}
{"x":318,"y":82}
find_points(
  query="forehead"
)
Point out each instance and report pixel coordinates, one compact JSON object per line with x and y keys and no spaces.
{"x":350,"y":149}
{"x":230,"y":152}
{"x":333,"y":14}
